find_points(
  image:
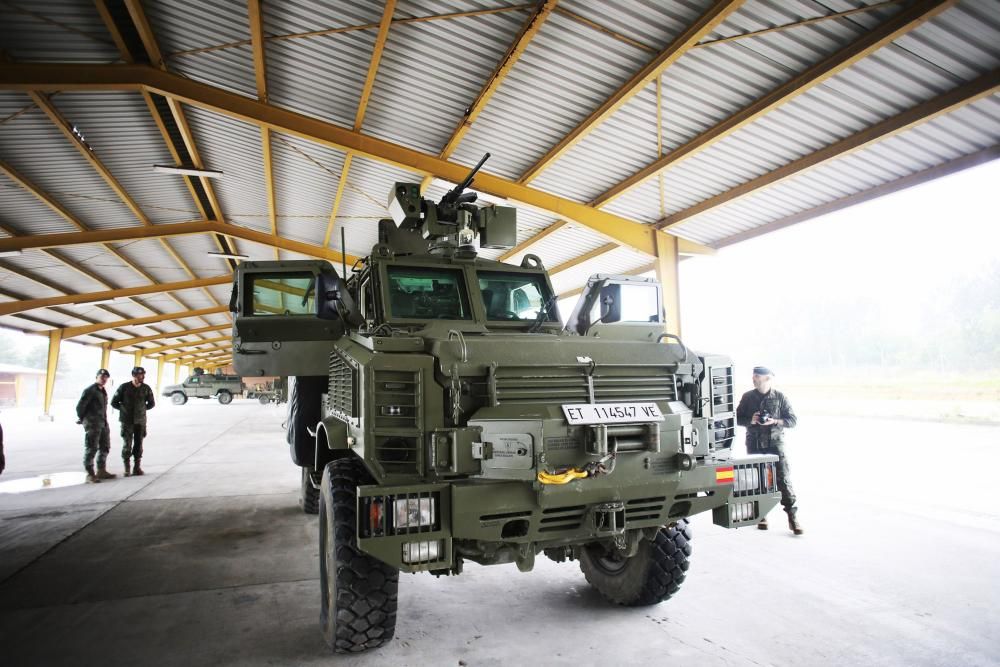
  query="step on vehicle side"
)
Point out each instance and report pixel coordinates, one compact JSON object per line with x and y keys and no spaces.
{"x":205,"y":385}
{"x":441,"y":413}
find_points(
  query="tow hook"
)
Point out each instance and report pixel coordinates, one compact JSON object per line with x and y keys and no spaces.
{"x":609,"y":521}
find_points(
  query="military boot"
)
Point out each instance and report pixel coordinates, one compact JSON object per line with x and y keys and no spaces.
{"x":91,"y":477}
{"x":128,"y":467}
{"x":794,"y":525}
{"x":762,"y":525}
{"x":137,"y":470}
{"x":102,"y":473}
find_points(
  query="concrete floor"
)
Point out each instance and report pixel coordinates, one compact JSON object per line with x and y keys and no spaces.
{"x":207,"y":561}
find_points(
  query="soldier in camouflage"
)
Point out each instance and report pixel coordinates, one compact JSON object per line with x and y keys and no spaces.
{"x":132,"y":400}
{"x":766,"y":413}
{"x":92,"y":411}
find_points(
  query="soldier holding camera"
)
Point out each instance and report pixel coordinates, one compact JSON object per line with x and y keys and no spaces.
{"x":766,"y":413}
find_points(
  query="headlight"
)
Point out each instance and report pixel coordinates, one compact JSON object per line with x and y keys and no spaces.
{"x":742,"y":511}
{"x":747,"y":479}
{"x":421,"y":552}
{"x":413,"y":513}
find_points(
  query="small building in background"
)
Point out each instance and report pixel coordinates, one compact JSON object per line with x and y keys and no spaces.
{"x":20,"y":386}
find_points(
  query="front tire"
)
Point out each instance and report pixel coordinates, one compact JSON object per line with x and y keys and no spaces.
{"x":308,"y":494}
{"x":225,"y":398}
{"x":653,"y":575}
{"x":177,"y":398}
{"x":263,"y":400}
{"x":358,"y":608}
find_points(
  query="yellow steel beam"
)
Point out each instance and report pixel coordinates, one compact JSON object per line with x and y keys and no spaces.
{"x":646,"y":268}
{"x":30,"y":304}
{"x":137,"y":358}
{"x":171,"y":229}
{"x":666,"y":264}
{"x":72,"y":332}
{"x":177,"y":373}
{"x":585,"y":257}
{"x":894,"y":28}
{"x":977,"y":89}
{"x":66,"y":128}
{"x":130,"y":77}
{"x":65,"y":214}
{"x":145,"y":29}
{"x":359,"y":115}
{"x":88,"y":236}
{"x":351,"y":28}
{"x":528,"y":31}
{"x":55,"y":338}
{"x":129,"y":342}
{"x":797,"y":24}
{"x":260,"y":76}
{"x":105,"y":354}
{"x":187,"y":354}
{"x":705,"y":24}
{"x":208,"y":356}
{"x":176,"y":346}
{"x":528,"y":243}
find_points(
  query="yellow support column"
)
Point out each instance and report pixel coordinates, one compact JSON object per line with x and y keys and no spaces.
{"x":177,"y":373}
{"x":138,"y":358}
{"x":105,"y":355}
{"x":666,"y":272}
{"x":55,"y":338}
{"x":159,"y":375}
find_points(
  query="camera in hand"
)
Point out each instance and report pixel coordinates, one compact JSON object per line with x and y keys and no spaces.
{"x":763,"y":416}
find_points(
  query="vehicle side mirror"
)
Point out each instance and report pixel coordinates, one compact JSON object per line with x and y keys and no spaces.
{"x":334,"y":300}
{"x":611,"y":307}
{"x":328,"y":290}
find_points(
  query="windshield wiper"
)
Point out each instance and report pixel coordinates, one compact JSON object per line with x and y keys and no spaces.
{"x":543,"y":314}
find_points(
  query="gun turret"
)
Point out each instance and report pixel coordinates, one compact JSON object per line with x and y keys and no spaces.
{"x":455,"y":196}
{"x":453,"y":225}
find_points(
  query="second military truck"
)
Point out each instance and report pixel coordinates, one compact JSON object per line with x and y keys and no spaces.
{"x":205,"y":385}
{"x":441,"y":413}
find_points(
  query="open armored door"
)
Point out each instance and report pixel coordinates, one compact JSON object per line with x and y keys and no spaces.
{"x":276,"y":330}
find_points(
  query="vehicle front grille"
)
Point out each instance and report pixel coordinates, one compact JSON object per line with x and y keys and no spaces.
{"x":572,"y":384}
{"x":396,"y":399}
{"x":562,"y":518}
{"x":722,"y":391}
{"x":342,"y":396}
{"x":644,"y":509}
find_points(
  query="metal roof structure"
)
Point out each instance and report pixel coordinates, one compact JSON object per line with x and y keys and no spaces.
{"x":628,"y":133}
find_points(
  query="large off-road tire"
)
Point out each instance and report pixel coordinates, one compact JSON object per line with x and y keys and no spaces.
{"x":651,"y":576}
{"x":225,"y":398}
{"x":308,"y":494}
{"x":178,"y":398}
{"x":263,"y":400}
{"x":358,"y":608}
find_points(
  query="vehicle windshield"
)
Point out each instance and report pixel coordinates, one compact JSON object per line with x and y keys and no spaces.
{"x":283,"y":294}
{"x":427,"y":294}
{"x":515,"y":297}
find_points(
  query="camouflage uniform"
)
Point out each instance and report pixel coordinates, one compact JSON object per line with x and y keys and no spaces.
{"x":92,"y":410}
{"x":132,"y":402}
{"x":770,"y":439}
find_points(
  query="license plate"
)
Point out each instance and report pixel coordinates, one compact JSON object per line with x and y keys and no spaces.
{"x":612,"y":413}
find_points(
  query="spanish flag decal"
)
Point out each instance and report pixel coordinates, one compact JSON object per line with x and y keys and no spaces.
{"x":724,"y":475}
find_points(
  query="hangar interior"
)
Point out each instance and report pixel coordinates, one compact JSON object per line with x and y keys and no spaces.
{"x":148,"y":146}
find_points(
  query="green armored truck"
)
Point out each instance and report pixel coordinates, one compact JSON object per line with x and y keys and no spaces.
{"x":442,"y":413}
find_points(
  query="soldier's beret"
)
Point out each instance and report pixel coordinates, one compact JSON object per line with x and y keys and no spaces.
{"x":137,"y":370}
{"x":104,"y":372}
{"x":762,"y":370}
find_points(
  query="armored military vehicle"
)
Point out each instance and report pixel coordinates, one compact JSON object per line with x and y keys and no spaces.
{"x":205,"y":385}
{"x":441,"y":413}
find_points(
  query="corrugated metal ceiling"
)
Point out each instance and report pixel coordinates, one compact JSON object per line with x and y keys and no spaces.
{"x":429,"y":74}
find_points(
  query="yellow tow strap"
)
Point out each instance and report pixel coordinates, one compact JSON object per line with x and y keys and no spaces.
{"x":563,"y":477}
